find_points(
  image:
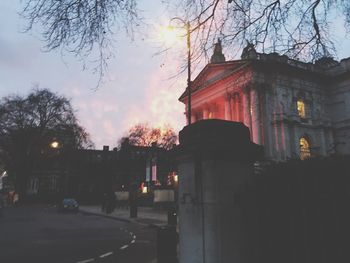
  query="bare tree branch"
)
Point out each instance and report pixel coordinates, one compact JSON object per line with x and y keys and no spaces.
{"x":85,"y":28}
{"x":297,"y":28}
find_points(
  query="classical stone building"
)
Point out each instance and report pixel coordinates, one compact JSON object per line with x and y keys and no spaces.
{"x":294,"y":109}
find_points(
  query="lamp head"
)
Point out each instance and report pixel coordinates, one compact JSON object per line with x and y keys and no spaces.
{"x":54,"y":144}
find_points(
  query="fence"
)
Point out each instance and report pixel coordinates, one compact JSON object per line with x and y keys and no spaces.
{"x":297,"y":211}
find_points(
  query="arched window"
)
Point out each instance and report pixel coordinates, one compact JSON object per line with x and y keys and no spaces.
{"x":305,"y":151}
{"x":301,"y":108}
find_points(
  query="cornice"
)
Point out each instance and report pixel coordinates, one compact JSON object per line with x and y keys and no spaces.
{"x":269,"y":67}
{"x":272,"y":66}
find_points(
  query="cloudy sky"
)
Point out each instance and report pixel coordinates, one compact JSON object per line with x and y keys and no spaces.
{"x":136,"y":89}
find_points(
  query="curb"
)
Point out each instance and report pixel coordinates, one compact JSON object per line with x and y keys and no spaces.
{"x":152,"y":225}
{"x":107,"y":216}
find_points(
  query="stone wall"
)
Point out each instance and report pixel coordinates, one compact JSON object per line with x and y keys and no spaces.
{"x":282,"y":125}
{"x":338,"y":107}
{"x":300,"y":213}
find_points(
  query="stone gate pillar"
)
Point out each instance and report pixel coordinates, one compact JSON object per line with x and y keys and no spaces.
{"x":215,"y":162}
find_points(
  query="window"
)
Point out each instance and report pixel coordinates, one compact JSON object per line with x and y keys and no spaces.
{"x":53,"y":184}
{"x":304,"y":148}
{"x":301,"y":108}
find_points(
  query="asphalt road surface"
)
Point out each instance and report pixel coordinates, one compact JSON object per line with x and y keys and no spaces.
{"x":41,"y":234}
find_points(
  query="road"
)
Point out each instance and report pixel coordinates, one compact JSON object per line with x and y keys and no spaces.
{"x":41,"y":234}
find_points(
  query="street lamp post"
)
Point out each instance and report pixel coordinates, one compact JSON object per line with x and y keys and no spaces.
{"x":188,"y":37}
{"x":188,"y":71}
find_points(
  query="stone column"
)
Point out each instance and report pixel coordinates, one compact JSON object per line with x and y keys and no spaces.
{"x":246,"y":110}
{"x":215,"y":165}
{"x":266,"y":121}
{"x":330,"y":142}
{"x":255,"y":113}
{"x":227,"y":108}
{"x":232,"y":109}
{"x":205,"y":113}
{"x":237,"y":109}
{"x":186,"y":112}
{"x":322,"y":142}
{"x":193,"y":118}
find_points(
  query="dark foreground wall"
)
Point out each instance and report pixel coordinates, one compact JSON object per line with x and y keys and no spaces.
{"x":297,"y":211}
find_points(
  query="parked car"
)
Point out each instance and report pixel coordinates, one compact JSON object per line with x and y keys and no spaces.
{"x":69,"y":204}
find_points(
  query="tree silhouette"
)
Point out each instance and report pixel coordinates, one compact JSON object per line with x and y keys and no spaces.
{"x":29,"y":124}
{"x":143,"y":135}
{"x":296,"y":28}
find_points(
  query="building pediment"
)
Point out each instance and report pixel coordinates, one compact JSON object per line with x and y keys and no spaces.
{"x":214,"y":72}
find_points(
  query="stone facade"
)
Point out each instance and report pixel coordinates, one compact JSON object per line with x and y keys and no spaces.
{"x":294,"y":109}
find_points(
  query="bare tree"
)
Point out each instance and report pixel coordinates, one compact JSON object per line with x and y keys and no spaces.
{"x":29,"y":124}
{"x":143,"y":135}
{"x":297,"y":28}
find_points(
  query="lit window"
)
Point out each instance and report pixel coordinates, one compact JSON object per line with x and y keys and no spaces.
{"x":301,"y":108}
{"x":144,"y":190}
{"x":304,"y":149}
{"x":210,"y":115}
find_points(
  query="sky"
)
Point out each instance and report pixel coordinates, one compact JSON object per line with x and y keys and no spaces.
{"x":137,"y":88}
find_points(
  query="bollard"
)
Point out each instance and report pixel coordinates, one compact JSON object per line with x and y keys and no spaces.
{"x":172,"y":216}
{"x":166,"y":244}
{"x":133,"y":202}
{"x":133,"y":210}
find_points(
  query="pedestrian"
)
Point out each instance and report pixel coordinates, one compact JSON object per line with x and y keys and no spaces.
{"x":110,"y":202}
{"x":1,"y":203}
{"x":15,"y":199}
{"x":104,"y":202}
{"x":10,"y":197}
{"x":116,"y":204}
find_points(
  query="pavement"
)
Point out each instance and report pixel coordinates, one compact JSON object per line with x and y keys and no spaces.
{"x":148,"y":216}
